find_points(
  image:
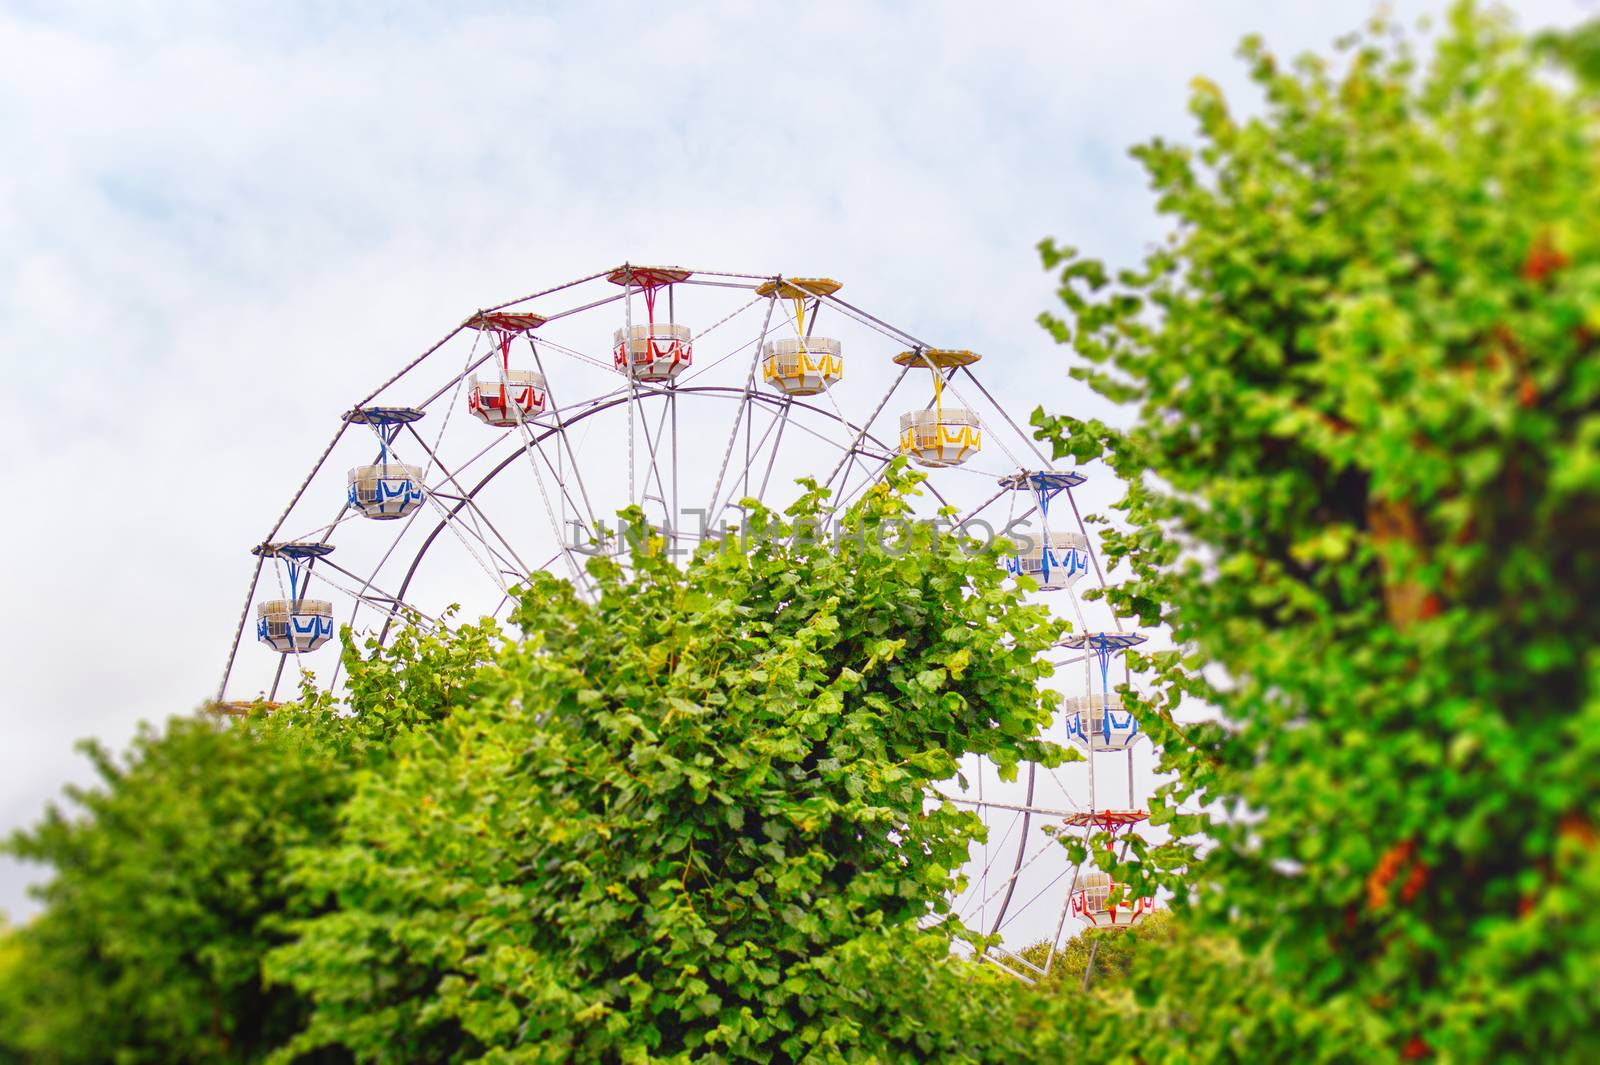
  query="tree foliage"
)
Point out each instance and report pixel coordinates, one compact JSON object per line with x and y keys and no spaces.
{"x":170,"y":878}
{"x":167,"y":891}
{"x":1576,"y":50}
{"x":689,"y":819}
{"x":1363,"y":493}
{"x":1097,"y":958}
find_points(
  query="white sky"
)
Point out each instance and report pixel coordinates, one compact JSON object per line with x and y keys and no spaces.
{"x":218,"y":230}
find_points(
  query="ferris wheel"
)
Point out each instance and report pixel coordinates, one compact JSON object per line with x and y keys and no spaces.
{"x":508,"y":446}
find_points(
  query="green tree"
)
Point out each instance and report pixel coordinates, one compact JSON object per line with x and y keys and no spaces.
{"x":1364,"y":493}
{"x":1577,"y":49}
{"x":12,"y":1017}
{"x":690,"y":819}
{"x":1098,"y":958}
{"x":167,"y":890}
{"x":169,"y":880}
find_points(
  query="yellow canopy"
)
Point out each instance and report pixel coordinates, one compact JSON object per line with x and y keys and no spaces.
{"x":939,"y":358}
{"x":795,"y":288}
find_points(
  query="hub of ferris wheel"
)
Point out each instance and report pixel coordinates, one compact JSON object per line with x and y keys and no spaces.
{"x":508,"y":392}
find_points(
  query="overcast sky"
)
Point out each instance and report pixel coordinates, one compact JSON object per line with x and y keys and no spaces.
{"x":222,"y":224}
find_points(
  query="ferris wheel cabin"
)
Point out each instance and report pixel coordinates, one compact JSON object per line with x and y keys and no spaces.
{"x":506,"y":397}
{"x":939,"y":435}
{"x":294,"y":625}
{"x":1054,"y":566}
{"x":801,"y":365}
{"x":946,"y":437}
{"x":651,"y":351}
{"x":1098,"y":722}
{"x":386,"y":489}
{"x":656,"y":351}
{"x":1091,"y":903}
{"x":505,"y":401}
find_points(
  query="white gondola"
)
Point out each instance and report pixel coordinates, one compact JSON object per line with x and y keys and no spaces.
{"x":945,"y":437}
{"x":386,"y":490}
{"x":939,"y":435}
{"x":657,"y":351}
{"x":1099,"y":722}
{"x":1091,"y":903}
{"x":294,"y":624}
{"x":506,"y":397}
{"x":520,"y":397}
{"x":1055,"y":567}
{"x":294,"y":627}
{"x":802,"y":366}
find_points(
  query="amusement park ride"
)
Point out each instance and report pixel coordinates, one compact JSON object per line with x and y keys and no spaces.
{"x":534,"y":475}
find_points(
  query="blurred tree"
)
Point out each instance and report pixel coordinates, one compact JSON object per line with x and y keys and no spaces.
{"x":169,"y":882}
{"x":167,"y":890}
{"x":12,"y":1019}
{"x":1364,"y":493}
{"x":1577,"y":49}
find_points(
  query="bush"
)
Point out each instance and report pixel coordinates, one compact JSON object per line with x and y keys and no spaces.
{"x":1363,"y":492}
